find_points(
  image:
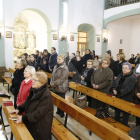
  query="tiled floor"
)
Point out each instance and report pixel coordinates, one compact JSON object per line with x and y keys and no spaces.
{"x":73,"y":125}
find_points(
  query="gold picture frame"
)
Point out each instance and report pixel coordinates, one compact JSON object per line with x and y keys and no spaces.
{"x":8,"y":34}
{"x":55,"y":36}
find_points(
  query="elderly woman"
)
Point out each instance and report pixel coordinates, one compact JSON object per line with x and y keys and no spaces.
{"x":25,"y":85}
{"x":18,"y":78}
{"x":122,"y":88}
{"x":38,"y":109}
{"x":101,"y":80}
{"x":86,"y":77}
{"x":59,"y":80}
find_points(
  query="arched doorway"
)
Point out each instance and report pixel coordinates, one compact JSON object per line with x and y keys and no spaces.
{"x":86,"y":38}
{"x":32,"y":31}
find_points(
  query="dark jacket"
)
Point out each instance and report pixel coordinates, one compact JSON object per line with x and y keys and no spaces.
{"x":137,"y":60}
{"x":44,"y":67}
{"x":34,"y":64}
{"x":112,"y":63}
{"x":85,"y":58}
{"x":124,"y":85}
{"x":88,"y":78}
{"x":71,"y":65}
{"x":103,"y":78}
{"x":132,"y":60}
{"x":53,"y":60}
{"x":67,"y":60}
{"x":135,"y":91}
{"x":118,"y":68}
{"x":78,"y":69}
{"x":38,"y":113}
{"x":17,"y":80}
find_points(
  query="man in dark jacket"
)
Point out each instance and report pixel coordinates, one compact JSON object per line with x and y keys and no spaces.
{"x":122,"y":88}
{"x":52,"y":59}
{"x":112,"y":62}
{"x":86,"y":57}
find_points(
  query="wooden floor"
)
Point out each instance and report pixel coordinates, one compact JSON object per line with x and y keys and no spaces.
{"x":73,"y":125}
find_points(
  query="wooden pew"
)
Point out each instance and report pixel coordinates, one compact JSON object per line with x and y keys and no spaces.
{"x":97,"y":126}
{"x":92,"y":111}
{"x":8,"y":79}
{"x":113,"y":101}
{"x":19,"y":131}
{"x":60,"y":132}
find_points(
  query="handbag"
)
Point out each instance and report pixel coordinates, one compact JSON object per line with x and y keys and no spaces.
{"x":103,"y":113}
{"x":8,"y":74}
{"x":80,"y":100}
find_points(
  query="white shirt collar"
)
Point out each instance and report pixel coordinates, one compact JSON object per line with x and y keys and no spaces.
{"x":26,"y":80}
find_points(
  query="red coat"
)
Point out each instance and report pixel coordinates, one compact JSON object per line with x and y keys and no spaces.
{"x":23,"y":92}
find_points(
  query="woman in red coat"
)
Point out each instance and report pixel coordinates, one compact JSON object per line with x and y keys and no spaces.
{"x":25,"y":85}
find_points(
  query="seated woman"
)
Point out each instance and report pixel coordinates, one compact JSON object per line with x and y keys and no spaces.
{"x":96,"y":62}
{"x":59,"y":80}
{"x":33,"y":62}
{"x":136,"y":94}
{"x":101,"y":80}
{"x":122,"y":88}
{"x":78,"y":70}
{"x":38,"y":109}
{"x":86,"y":77}
{"x":18,"y":78}
{"x":25,"y":85}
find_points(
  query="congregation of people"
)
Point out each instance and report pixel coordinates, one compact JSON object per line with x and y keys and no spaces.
{"x":32,"y":97}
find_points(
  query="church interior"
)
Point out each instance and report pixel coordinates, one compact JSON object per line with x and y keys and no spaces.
{"x":83,"y":58}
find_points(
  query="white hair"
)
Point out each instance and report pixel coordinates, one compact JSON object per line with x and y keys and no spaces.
{"x":31,"y":70}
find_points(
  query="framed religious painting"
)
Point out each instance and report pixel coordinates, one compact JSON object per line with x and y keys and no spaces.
{"x":98,"y":39}
{"x":54,"y":36}
{"x":72,"y":38}
{"x":8,"y":34}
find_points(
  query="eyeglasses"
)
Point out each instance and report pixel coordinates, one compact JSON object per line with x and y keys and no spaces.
{"x":125,"y":68}
{"x":104,"y":63}
{"x":35,"y":80}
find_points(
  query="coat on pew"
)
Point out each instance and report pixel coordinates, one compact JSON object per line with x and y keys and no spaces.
{"x":103,"y":78}
{"x":38,"y":115}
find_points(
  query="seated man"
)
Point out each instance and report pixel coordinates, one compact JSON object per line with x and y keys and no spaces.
{"x":122,"y":88}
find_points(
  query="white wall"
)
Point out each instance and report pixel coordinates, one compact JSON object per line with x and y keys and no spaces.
{"x":90,"y":12}
{"x":120,"y":29}
{"x":135,"y":37}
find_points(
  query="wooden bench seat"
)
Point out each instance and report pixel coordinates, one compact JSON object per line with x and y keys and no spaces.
{"x":19,"y":131}
{"x":92,"y":111}
{"x":97,"y":126}
{"x":60,"y":132}
{"x":117,"y":125}
{"x":8,"y":81}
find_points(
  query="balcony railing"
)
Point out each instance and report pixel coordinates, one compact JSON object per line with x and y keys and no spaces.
{"x":116,"y":3}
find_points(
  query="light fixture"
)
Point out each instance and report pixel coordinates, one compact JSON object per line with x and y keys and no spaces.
{"x":63,"y":36}
{"x":105,"y":35}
